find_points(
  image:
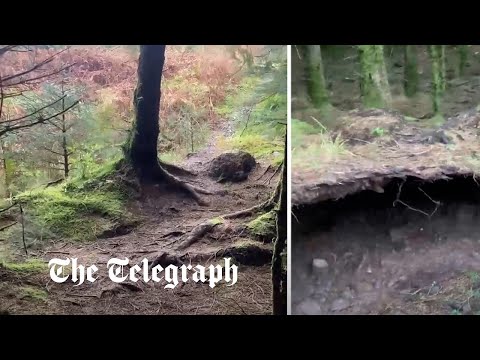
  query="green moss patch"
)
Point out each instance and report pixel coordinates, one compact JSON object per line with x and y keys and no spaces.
{"x":264,"y":226}
{"x":28,"y":267}
{"x":249,"y":253}
{"x":33,"y":293}
{"x":79,"y":209}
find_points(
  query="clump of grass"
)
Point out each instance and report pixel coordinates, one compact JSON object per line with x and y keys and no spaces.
{"x":319,"y":151}
{"x":33,"y":293}
{"x":29,"y":266}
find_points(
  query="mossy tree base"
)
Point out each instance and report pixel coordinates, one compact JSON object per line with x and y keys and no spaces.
{"x":374,"y":85}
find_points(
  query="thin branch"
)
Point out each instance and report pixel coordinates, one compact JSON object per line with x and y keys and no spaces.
{"x":52,"y":151}
{"x":33,"y":113}
{"x":35,"y":67}
{"x":7,"y":226}
{"x":23,"y":82}
{"x":39,"y":121}
{"x":3,"y":210}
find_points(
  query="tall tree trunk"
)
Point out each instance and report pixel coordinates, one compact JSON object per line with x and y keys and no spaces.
{"x":443,"y":61}
{"x":317,"y":89}
{"x":438,"y":79}
{"x":279,"y":287}
{"x":374,"y":85}
{"x":462,"y":59}
{"x":410,"y":80}
{"x":5,"y":169}
{"x":142,"y":146}
{"x":66,"y":165}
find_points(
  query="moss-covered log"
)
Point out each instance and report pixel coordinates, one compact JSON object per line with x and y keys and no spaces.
{"x":374,"y":84}
{"x":410,"y":80}
{"x":317,"y":89}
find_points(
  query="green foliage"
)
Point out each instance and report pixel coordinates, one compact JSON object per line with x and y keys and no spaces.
{"x":260,"y":146}
{"x":238,"y":96}
{"x":300,"y":129}
{"x":378,"y":131}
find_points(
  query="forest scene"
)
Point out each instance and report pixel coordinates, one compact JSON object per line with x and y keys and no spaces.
{"x":174,"y":154}
{"x":385,"y":193}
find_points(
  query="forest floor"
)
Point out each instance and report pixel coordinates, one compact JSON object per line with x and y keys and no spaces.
{"x":165,"y":218}
{"x":386,"y":203}
{"x":387,"y":222}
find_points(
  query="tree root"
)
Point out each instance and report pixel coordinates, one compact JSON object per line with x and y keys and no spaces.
{"x":265,"y":207}
{"x":189,"y":189}
{"x":197,"y":233}
{"x":176,"y":170}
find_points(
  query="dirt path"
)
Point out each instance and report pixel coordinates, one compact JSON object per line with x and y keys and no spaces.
{"x":166,"y":217}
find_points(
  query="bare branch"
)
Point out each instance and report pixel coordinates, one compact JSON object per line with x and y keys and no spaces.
{"x":35,"y":67}
{"x":33,"y":113}
{"x":52,"y":151}
{"x":38,"y":121}
{"x":3,"y":210}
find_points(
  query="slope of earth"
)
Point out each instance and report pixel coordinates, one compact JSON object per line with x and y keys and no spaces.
{"x":168,"y":219}
{"x":387,"y":223}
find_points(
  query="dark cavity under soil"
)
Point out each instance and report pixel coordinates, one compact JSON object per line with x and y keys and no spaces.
{"x":363,"y":255}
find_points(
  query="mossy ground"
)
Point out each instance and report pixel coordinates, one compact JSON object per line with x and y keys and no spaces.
{"x":264,"y":226}
{"x":80,"y":209}
{"x":28,"y":267}
{"x":33,"y":293}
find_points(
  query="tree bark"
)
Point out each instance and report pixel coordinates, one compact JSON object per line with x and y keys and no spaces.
{"x":317,"y":89}
{"x":66,"y":165}
{"x":142,"y":147}
{"x":463,"y":57}
{"x":374,"y":85}
{"x":279,"y":287}
{"x":410,"y":80}
{"x":438,"y":79}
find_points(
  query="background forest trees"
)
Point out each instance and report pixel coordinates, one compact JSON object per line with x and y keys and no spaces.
{"x":422,"y":82}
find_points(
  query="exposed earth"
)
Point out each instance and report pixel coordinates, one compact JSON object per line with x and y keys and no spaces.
{"x":389,"y":223}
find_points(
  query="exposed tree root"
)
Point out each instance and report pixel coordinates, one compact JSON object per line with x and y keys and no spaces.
{"x":197,"y":233}
{"x":176,"y":170}
{"x":264,"y":207}
{"x":189,"y":189}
